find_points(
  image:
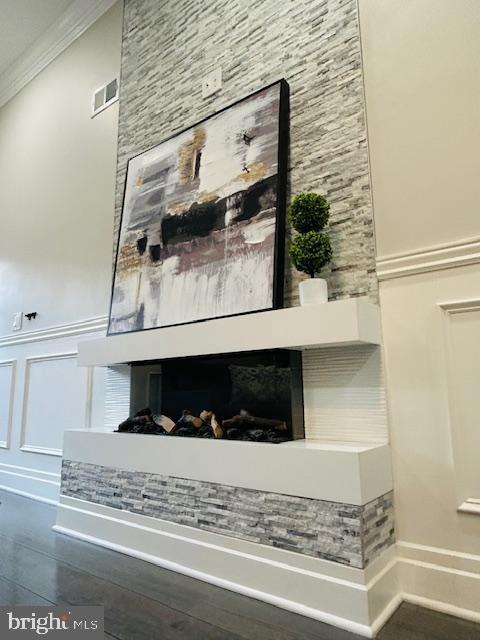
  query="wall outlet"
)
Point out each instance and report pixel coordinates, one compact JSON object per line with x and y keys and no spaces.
{"x":212,"y":83}
{"x":17,"y":321}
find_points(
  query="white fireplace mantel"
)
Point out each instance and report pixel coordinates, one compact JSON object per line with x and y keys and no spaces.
{"x":342,"y":322}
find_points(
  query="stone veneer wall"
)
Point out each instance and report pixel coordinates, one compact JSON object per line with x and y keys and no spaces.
{"x":348,"y":534}
{"x":169,"y":46}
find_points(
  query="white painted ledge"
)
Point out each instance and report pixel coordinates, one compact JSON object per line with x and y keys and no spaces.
{"x":342,"y":322}
{"x":336,"y":472}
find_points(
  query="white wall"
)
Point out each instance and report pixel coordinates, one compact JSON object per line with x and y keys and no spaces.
{"x":57,"y":183}
{"x":422,"y":70}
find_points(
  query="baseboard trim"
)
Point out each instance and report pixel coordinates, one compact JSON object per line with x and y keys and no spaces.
{"x":31,"y":483}
{"x":442,"y":607}
{"x":350,"y":598}
{"x":387,"y":613}
{"x":360,"y":602}
{"x":434,"y":258}
{"x":29,"y":471}
{"x":269,"y":598}
{"x":31,"y":496}
{"x":444,"y":580}
{"x":55,"y":483}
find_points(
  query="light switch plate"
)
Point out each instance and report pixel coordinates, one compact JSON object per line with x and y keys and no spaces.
{"x":17,"y":321}
{"x":212,"y":83}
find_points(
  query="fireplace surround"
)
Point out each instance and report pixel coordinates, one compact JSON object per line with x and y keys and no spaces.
{"x":306,"y":524}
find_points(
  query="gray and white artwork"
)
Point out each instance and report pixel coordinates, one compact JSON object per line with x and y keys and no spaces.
{"x":199,"y":222}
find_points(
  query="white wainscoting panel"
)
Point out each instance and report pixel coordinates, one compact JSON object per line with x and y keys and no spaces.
{"x":57,"y":396}
{"x":462,"y":342}
{"x":7,"y":388}
{"x":344,"y":394}
{"x":43,"y":392}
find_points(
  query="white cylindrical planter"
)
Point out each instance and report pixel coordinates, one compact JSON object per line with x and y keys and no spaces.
{"x":313,"y":291}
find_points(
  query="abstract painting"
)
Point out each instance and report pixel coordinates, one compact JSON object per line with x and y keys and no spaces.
{"x":202,"y":226}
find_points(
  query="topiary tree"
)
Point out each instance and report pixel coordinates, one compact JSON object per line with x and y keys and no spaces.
{"x":310,"y":250}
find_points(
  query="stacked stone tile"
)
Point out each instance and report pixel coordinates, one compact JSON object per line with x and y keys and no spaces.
{"x":315,"y":45}
{"x":348,"y":534}
{"x":377,"y":526}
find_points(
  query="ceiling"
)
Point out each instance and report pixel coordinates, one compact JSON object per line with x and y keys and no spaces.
{"x":24,"y":21}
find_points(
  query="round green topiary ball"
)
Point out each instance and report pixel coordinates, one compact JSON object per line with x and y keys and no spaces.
{"x":311,"y":251}
{"x":309,"y":212}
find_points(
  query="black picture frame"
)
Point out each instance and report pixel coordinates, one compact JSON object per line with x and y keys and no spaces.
{"x":281,"y":207}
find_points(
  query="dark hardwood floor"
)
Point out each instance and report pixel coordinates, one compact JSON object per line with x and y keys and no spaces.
{"x":145,"y":602}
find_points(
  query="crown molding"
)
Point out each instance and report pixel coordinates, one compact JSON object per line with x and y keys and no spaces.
{"x":79,"y":16}
{"x":447,"y":256}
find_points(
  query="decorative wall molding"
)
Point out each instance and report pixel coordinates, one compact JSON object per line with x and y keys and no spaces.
{"x":79,"y":327}
{"x":434,"y":258}
{"x":46,"y":451}
{"x":79,"y":16}
{"x":472,"y":505}
{"x":460,"y":306}
{"x":29,"y":362}
{"x":9,"y":397}
{"x":37,"y":421}
{"x":463,"y":442}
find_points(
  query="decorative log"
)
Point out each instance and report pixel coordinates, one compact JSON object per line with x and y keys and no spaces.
{"x":206,"y":416}
{"x":188,"y":419}
{"x":217,"y":429}
{"x":140,"y":424}
{"x":186,"y":432}
{"x":205,"y":432}
{"x":241,"y":427}
{"x":165,"y":422}
{"x":245,"y":421}
{"x":147,"y":413}
{"x":210,"y":419}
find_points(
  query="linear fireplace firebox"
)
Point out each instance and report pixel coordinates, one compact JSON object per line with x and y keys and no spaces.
{"x":256,"y":396}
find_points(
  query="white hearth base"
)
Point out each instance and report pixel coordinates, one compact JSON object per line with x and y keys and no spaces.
{"x":353,"y":599}
{"x":359,"y":600}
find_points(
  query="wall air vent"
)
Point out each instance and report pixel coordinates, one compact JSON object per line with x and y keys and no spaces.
{"x":104,"y":96}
